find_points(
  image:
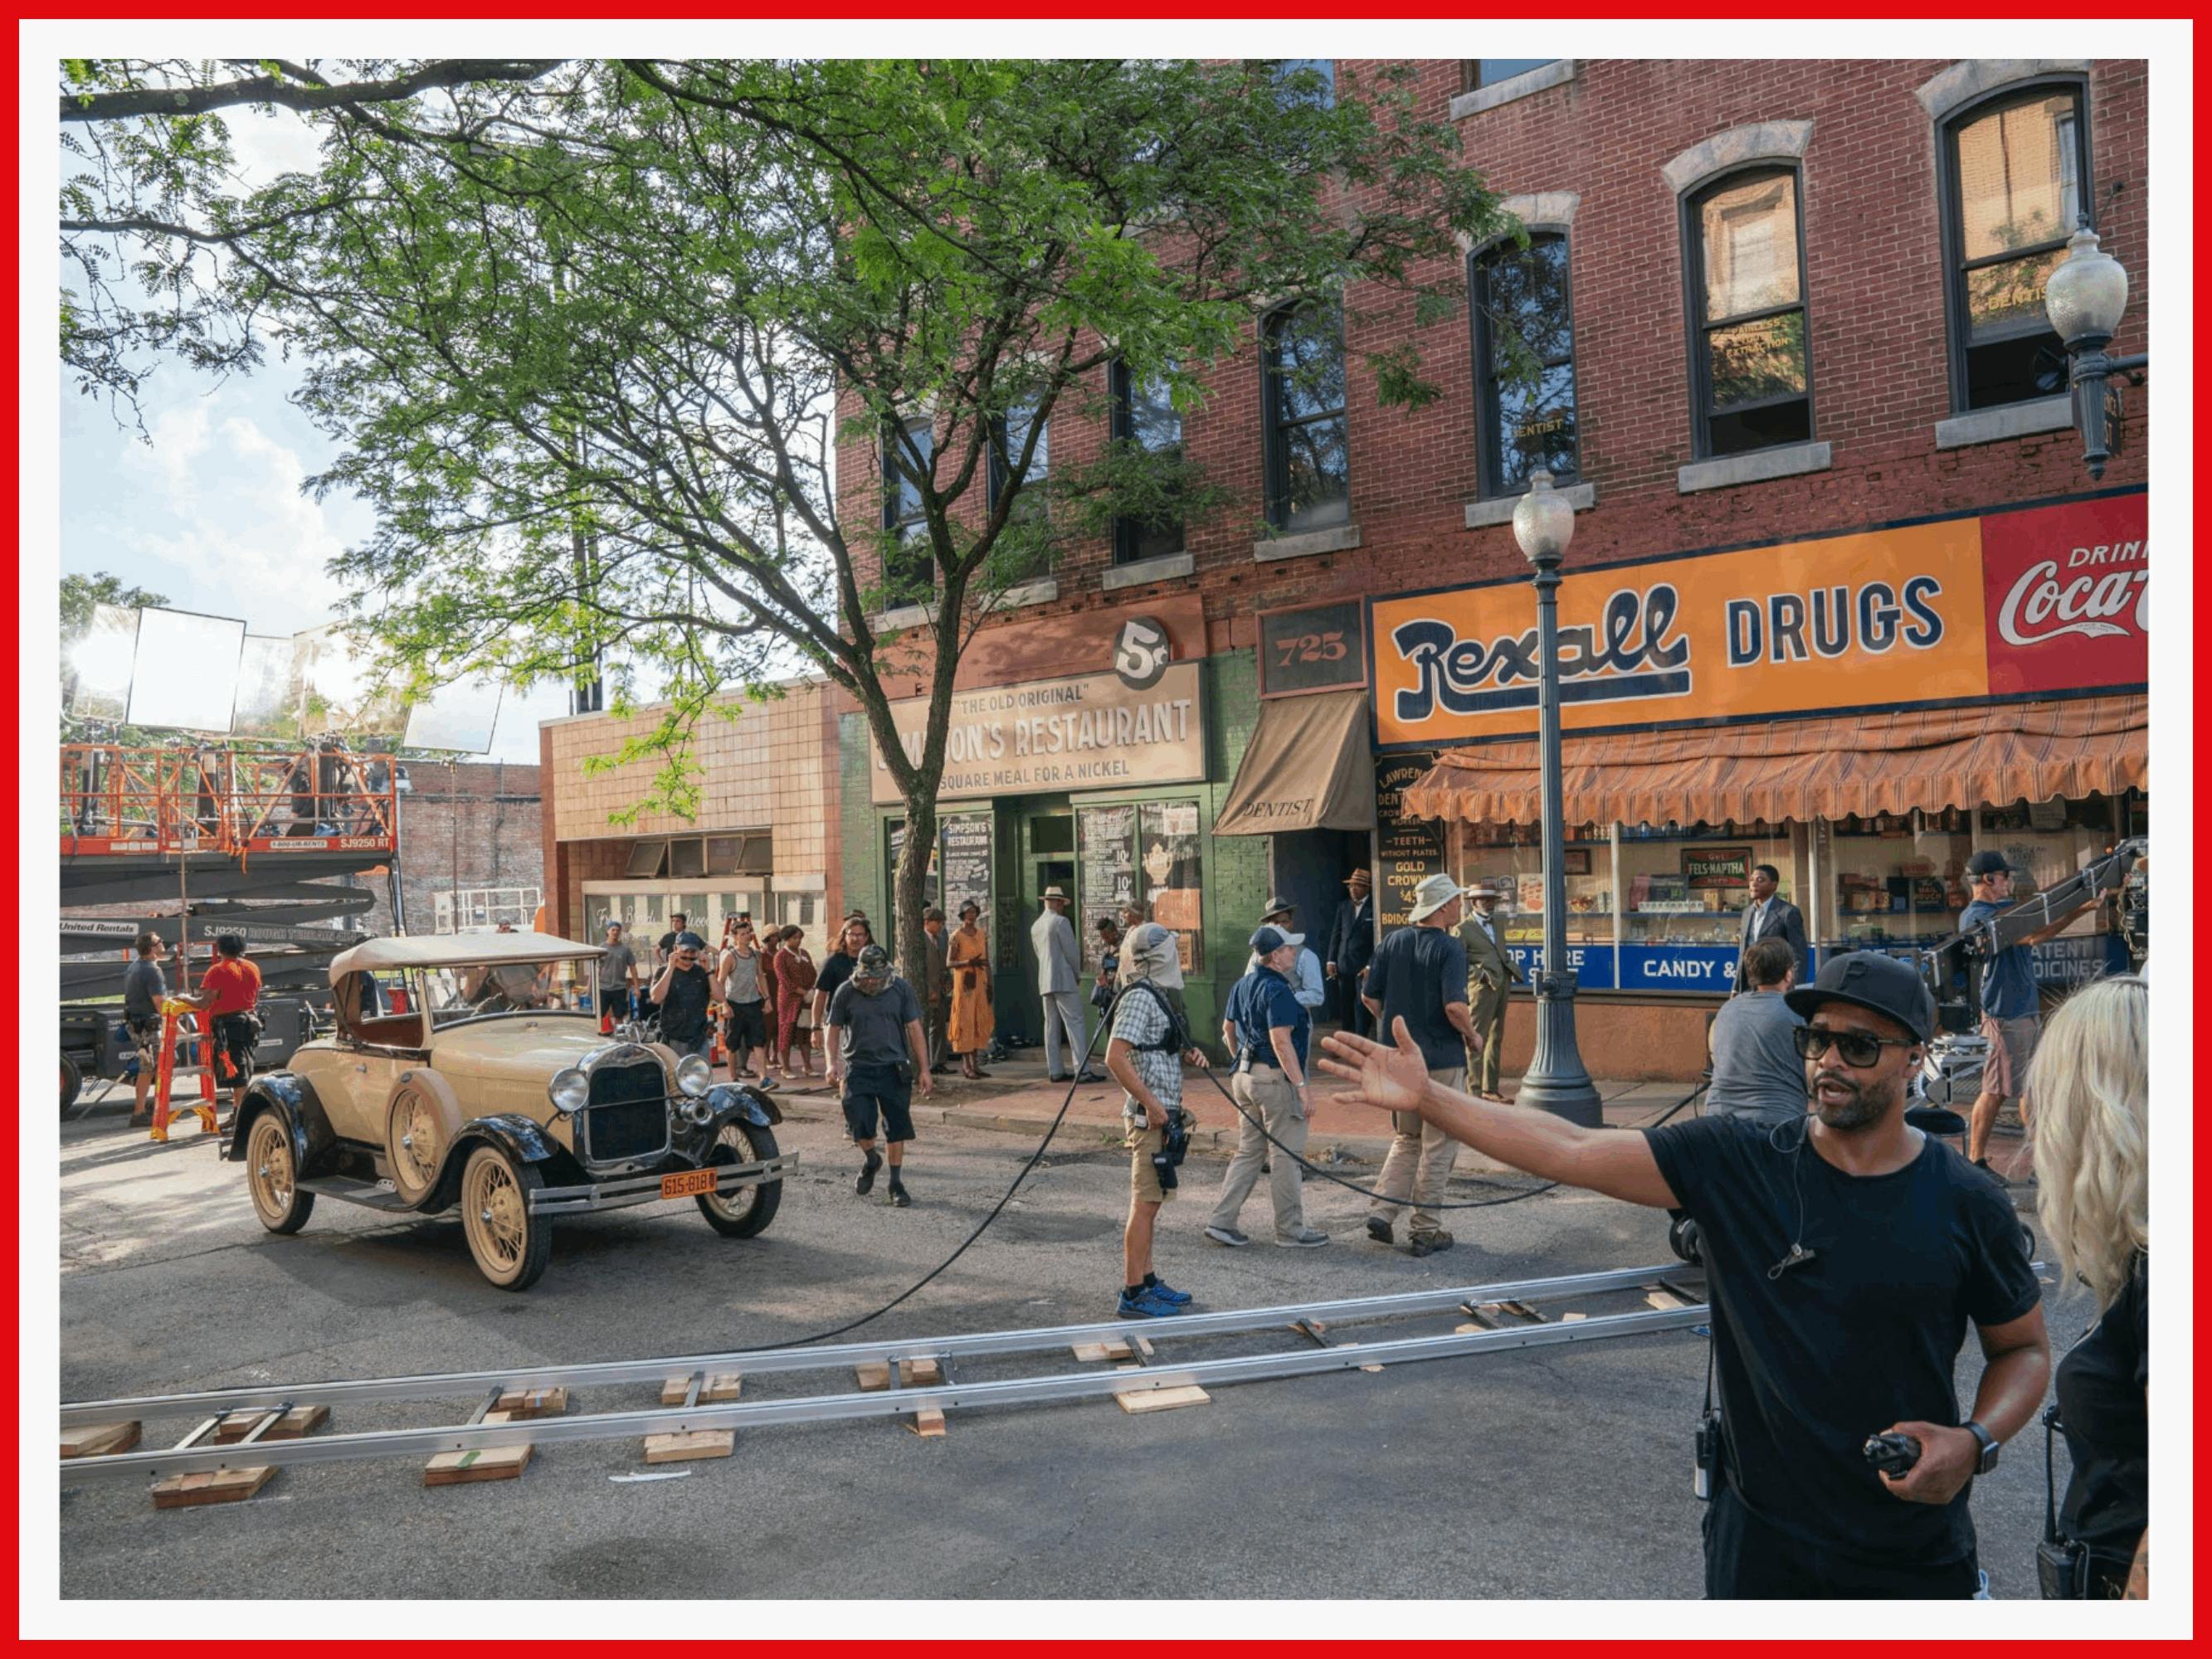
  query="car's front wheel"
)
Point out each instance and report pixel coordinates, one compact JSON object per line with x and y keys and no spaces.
{"x":72,"y":1081}
{"x":510,"y":1243}
{"x":742,"y":1212}
{"x":272,"y":1178}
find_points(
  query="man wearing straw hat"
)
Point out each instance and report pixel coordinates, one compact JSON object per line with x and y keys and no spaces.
{"x":1419,"y":976}
{"x":1491,"y":974}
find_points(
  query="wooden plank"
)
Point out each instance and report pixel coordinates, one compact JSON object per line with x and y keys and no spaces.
{"x":928,"y":1422}
{"x":1138,"y":1401}
{"x":301,"y":1419}
{"x":690,"y":1447}
{"x":1090,"y":1352}
{"x":99,"y":1439}
{"x":533,"y":1402}
{"x":463,"y":1469}
{"x":1372,"y":1370}
{"x":725,"y":1385}
{"x":185,"y":1491}
{"x":1665,"y":1301}
{"x":872,"y":1375}
{"x":916,"y":1371}
{"x":1570,"y":1318}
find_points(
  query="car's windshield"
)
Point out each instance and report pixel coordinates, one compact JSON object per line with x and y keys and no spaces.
{"x":474,"y":990}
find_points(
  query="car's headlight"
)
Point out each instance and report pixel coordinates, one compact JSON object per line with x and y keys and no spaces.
{"x":568,"y":1091}
{"x":694,"y":1074}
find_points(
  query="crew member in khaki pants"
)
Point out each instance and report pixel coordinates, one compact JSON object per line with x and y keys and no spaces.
{"x":1419,"y":976}
{"x":1266,"y":1028}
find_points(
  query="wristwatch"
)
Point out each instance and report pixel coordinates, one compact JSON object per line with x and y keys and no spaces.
{"x":1987,"y":1443}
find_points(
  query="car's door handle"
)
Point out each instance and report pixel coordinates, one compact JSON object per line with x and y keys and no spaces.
{"x":361,"y":1067}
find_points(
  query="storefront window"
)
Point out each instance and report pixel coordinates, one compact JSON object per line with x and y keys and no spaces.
{"x":1683,"y":888}
{"x":1894,"y":880}
{"x":1108,"y":878}
{"x":1509,"y":855}
{"x":1168,"y":857}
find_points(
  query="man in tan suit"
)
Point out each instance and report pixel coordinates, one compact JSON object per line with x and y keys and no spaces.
{"x":936,"y":987}
{"x":1491,"y":974}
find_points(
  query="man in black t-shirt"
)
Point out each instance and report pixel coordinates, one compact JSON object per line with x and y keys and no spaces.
{"x":681,"y":992}
{"x":1843,"y":1260}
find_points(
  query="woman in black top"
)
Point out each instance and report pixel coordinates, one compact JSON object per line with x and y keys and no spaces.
{"x":2089,"y":1088}
{"x":837,"y":967}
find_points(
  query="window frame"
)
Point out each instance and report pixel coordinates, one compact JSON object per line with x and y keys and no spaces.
{"x":1702,"y":413}
{"x":1275,"y":468}
{"x":908,"y":535}
{"x":1950,"y":209}
{"x":1121,"y":428}
{"x":1489,"y":449}
{"x":1470,"y":71}
{"x":999,"y":463}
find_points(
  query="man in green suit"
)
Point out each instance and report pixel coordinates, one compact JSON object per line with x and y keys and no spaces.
{"x":1491,"y":974}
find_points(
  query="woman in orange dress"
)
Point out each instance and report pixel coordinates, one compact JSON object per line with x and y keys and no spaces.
{"x":968,"y":956}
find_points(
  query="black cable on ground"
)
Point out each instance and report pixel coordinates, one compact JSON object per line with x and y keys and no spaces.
{"x":1464,"y":1203}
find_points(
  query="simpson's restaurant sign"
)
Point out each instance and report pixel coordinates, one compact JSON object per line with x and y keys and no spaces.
{"x":2042,"y":599}
{"x":1097,"y":731}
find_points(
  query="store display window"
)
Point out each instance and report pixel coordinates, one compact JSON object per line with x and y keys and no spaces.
{"x":1893,"y":880}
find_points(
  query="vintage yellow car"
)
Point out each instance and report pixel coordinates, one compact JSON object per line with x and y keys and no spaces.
{"x":463,"y":1071}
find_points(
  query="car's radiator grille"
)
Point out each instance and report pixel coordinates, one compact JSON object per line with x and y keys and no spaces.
{"x":628,"y":1113}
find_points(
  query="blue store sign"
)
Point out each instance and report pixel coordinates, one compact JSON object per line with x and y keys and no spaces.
{"x":1593,"y":964}
{"x":1707,"y":968}
{"x":2064,"y":962}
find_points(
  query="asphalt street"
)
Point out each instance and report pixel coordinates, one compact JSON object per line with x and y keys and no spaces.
{"x":1562,"y":1472}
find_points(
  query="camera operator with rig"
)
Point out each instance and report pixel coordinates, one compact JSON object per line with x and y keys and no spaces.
{"x":1845,"y":1254}
{"x":1150,"y":1046}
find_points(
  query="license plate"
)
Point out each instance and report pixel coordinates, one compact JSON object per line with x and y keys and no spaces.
{"x":688,"y":1183}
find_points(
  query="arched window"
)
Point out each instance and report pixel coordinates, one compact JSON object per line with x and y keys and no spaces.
{"x":1524,"y":364}
{"x":1750,"y":369}
{"x":2015,"y":180}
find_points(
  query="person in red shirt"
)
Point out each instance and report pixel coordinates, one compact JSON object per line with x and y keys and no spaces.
{"x":228,"y":990}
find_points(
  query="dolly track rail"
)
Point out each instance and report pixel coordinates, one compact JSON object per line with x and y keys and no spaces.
{"x":683,"y":1419}
{"x":760,"y":1361}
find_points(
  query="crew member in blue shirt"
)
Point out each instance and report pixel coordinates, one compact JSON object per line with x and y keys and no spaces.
{"x":1265,"y":1028}
{"x":2012,"y":1008}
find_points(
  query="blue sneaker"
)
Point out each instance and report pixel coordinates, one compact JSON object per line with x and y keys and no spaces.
{"x":1144,"y":1305}
{"x":1168,"y":1293}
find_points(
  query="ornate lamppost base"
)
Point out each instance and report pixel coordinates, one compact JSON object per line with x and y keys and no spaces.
{"x":1556,"y":1081}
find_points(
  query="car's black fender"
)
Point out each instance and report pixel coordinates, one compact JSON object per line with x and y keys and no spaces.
{"x":522,"y":1139}
{"x":287,"y":1094}
{"x":730,"y":1101}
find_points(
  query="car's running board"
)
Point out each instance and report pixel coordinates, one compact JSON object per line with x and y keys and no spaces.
{"x":370,"y":1194}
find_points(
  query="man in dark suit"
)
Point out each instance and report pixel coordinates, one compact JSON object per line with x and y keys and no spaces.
{"x":1351,"y":948}
{"x":1768,"y":916}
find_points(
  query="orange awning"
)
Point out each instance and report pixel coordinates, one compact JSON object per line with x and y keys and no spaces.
{"x":1834,"y":767}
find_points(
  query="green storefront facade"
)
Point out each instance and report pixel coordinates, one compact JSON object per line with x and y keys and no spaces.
{"x":1099,"y":845}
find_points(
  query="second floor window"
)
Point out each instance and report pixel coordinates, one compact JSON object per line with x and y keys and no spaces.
{"x":1308,"y":461}
{"x":907,"y":564}
{"x":1751,"y":371}
{"x":1143,"y":416}
{"x":1010,"y":436}
{"x":1476,"y":73}
{"x":1525,"y":356}
{"x":2014,"y":176}
{"x":1307,"y":80}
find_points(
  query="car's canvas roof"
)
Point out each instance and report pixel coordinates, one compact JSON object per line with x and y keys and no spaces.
{"x":457,"y":951}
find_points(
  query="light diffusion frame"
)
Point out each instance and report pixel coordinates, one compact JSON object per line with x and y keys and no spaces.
{"x":459,"y":718}
{"x":100,"y":665}
{"x":269,"y":692}
{"x":184,"y":672}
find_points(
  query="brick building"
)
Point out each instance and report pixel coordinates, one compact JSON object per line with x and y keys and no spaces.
{"x":470,"y":848}
{"x":1832,"y":540}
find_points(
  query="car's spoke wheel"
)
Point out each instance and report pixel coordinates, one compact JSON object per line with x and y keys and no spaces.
{"x":413,"y":1144}
{"x":510,"y":1243}
{"x":742,"y":1212}
{"x":272,"y":1178}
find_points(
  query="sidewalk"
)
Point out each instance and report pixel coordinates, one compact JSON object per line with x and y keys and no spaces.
{"x":1017,"y":1099}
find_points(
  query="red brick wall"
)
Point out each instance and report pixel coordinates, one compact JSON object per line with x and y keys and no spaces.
{"x":472,"y":824}
{"x":1874,"y":279}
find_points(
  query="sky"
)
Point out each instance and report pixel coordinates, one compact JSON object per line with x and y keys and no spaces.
{"x":206,"y":508}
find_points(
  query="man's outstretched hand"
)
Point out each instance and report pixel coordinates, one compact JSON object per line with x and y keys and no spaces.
{"x":1390,"y":1079}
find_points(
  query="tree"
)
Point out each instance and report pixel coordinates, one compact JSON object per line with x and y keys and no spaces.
{"x":150,"y":227}
{"x":591,"y":367}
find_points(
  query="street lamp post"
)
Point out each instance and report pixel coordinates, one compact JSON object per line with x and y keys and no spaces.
{"x":1543,"y":524}
{"x":2085,"y":296}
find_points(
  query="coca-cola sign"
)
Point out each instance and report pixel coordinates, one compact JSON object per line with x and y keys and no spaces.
{"x":2067,"y":593}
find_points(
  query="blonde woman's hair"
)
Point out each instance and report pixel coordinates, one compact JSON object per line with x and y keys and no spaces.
{"x":2088,"y":1090}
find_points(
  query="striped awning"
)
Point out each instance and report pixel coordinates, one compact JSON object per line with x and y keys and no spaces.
{"x":1857,"y":764}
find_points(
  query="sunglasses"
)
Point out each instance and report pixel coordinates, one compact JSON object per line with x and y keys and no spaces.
{"x":1858,"y":1048}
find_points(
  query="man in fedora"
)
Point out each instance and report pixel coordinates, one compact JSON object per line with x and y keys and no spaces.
{"x":1306,"y":981}
{"x":1491,"y":974}
{"x":1419,"y":976}
{"x":1060,"y":980}
{"x":1352,"y":946}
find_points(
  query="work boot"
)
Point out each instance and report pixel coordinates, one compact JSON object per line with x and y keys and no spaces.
{"x":1378,"y":1229}
{"x":898,"y":1194}
{"x":1428,"y":1242}
{"x":867,"y":1176}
